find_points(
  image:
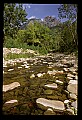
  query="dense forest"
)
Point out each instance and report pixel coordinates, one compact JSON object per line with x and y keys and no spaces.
{"x":60,"y":37}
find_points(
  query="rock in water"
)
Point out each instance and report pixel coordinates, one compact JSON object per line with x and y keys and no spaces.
{"x":11,"y":101}
{"x":54,"y":104}
{"x":10,"y":86}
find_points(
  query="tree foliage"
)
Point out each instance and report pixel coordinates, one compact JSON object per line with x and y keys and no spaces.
{"x":14,"y":16}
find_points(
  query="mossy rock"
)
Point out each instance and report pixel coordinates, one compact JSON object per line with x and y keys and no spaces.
{"x":48,"y":92}
{"x":53,"y":97}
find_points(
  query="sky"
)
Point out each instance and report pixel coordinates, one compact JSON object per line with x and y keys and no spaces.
{"x":42,"y":10}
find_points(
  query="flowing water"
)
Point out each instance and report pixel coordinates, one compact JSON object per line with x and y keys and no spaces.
{"x":32,"y":88}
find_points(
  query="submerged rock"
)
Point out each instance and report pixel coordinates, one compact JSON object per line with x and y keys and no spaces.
{"x":54,"y":104}
{"x":10,"y":86}
{"x":48,"y":92}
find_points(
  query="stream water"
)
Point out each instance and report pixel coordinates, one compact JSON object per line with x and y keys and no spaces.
{"x":32,"y":88}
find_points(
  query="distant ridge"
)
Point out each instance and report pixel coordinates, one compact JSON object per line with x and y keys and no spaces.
{"x":48,"y":21}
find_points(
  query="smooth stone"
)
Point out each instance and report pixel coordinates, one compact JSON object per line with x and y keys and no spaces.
{"x":53,"y":85}
{"x":74,"y":104}
{"x":10,"y":86}
{"x":73,"y":96}
{"x":54,"y":104}
{"x":11,"y":101}
{"x":58,"y":81}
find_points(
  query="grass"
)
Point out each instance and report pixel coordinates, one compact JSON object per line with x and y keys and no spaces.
{"x":21,"y":55}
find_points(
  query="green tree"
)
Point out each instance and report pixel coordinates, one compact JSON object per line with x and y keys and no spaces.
{"x":14,"y":16}
{"x":69,"y":11}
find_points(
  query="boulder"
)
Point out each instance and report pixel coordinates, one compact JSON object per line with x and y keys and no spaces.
{"x":56,"y":105}
{"x":10,"y":86}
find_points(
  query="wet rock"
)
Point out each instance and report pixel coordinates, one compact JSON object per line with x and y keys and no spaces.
{"x":49,"y":111}
{"x":58,"y":81}
{"x":10,"y":69}
{"x":10,"y":86}
{"x":11,"y":101}
{"x":74,"y":104}
{"x":54,"y":104}
{"x":48,"y":91}
{"x":53,"y":85}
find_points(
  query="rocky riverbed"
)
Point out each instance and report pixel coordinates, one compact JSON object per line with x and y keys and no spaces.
{"x":42,"y":85}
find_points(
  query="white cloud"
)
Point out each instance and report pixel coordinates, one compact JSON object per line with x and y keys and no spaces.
{"x":28,"y":6}
{"x":31,"y":17}
{"x":42,"y":19}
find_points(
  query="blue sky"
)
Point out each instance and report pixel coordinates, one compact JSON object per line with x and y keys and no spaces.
{"x":42,"y":10}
